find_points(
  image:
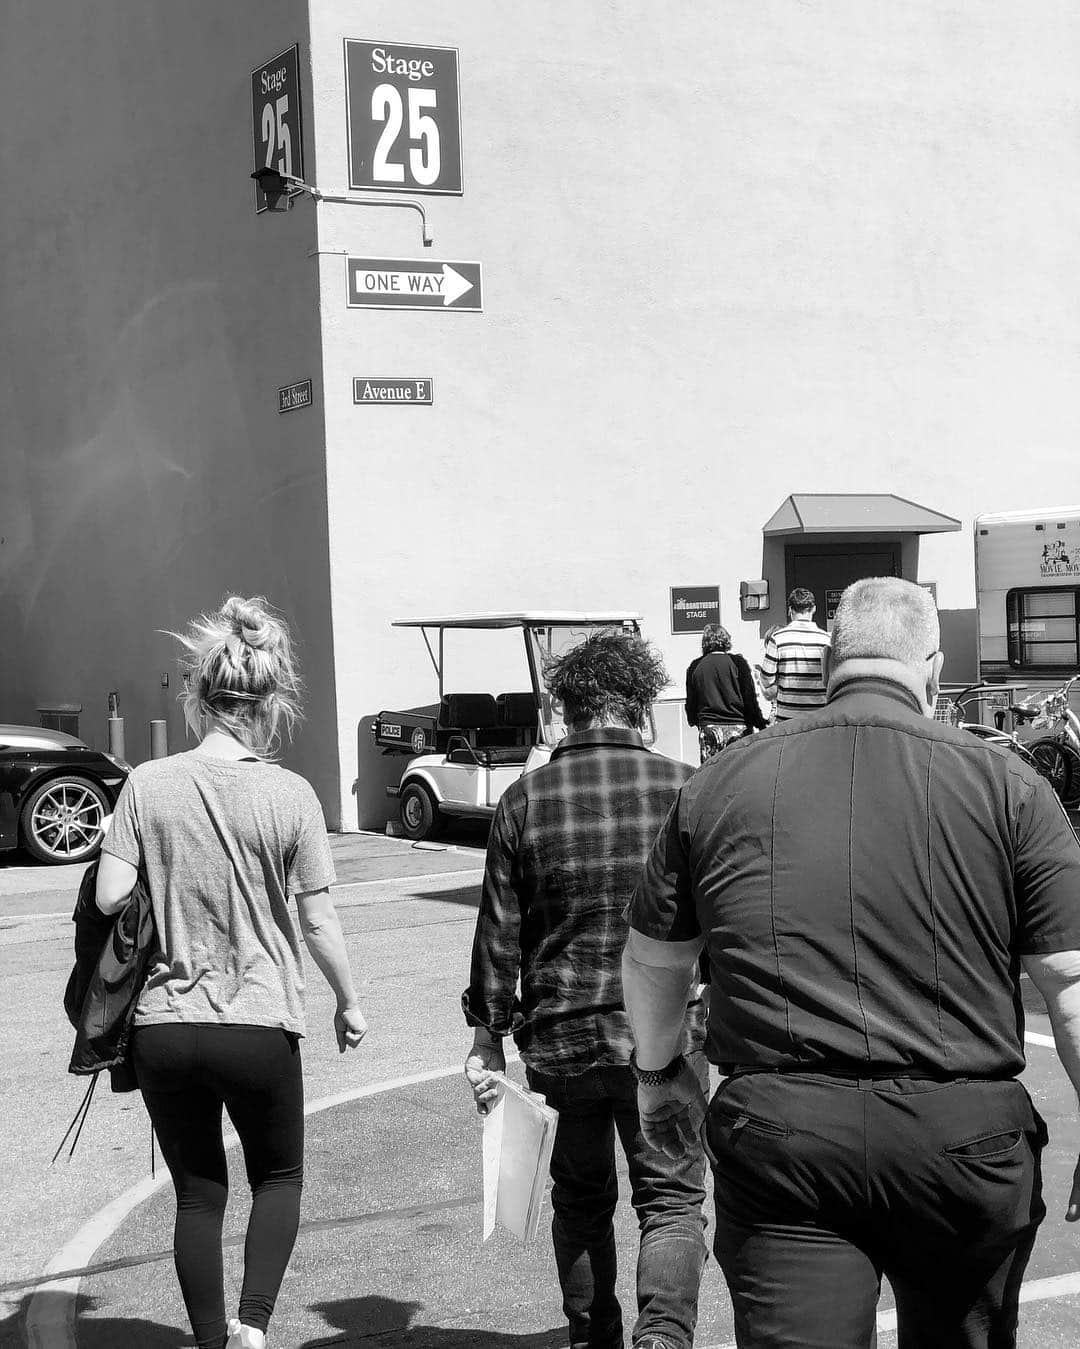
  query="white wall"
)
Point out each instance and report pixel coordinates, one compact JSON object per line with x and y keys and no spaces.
{"x":730,"y":252}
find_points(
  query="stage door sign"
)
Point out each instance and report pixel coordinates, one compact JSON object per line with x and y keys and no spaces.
{"x":694,"y":607}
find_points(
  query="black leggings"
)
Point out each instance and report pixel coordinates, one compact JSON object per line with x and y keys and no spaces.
{"x":186,"y":1074}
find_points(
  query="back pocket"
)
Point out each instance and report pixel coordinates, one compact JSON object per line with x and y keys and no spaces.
{"x":983,"y":1149}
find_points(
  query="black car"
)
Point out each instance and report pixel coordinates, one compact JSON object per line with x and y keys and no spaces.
{"x":54,"y":793}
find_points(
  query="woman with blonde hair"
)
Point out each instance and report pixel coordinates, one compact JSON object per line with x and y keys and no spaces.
{"x":224,"y":836}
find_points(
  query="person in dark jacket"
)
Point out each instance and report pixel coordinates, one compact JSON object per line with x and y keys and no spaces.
{"x":721,"y":700}
{"x":112,"y":954}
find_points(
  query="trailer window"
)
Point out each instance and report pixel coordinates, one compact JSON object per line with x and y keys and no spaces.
{"x":1044,"y":627}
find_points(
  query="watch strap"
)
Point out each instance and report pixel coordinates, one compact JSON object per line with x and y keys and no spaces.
{"x":655,"y":1077}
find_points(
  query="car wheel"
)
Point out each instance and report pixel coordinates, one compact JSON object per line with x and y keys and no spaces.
{"x":420,"y":816}
{"x":61,"y":821}
{"x":1055,"y":763}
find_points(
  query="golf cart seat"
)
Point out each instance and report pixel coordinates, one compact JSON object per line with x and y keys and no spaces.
{"x":517,"y":710}
{"x":474,"y":735}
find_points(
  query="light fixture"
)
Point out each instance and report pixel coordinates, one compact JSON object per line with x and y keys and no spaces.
{"x":754,"y":596}
{"x":280,"y":188}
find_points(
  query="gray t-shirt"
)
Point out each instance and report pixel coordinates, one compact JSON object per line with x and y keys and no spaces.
{"x":224,"y":844}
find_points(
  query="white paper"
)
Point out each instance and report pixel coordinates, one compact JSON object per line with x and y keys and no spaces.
{"x":519,"y":1133}
{"x":493,"y":1133}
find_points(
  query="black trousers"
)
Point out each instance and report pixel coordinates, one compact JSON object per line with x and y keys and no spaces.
{"x":824,"y":1184}
{"x":187,"y":1074}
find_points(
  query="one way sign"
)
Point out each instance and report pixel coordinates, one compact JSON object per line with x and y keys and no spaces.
{"x":412,"y":283}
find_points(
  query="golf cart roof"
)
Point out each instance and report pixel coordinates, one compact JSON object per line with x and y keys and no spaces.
{"x":524,"y":619}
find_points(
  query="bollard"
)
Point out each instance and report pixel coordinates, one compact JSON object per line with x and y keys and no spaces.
{"x":116,"y":737}
{"x":159,"y":740}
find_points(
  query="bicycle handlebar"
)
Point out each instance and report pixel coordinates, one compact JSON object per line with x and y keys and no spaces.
{"x":960,"y":698}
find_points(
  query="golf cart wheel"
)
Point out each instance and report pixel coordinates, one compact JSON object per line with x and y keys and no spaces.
{"x":61,"y":822}
{"x":1056,"y":765}
{"x":420,"y":816}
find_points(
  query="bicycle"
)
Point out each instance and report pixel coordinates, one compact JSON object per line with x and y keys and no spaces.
{"x":1048,"y":756}
{"x":1059,"y":751}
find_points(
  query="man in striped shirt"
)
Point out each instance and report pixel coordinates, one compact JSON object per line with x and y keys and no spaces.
{"x":795,"y":670}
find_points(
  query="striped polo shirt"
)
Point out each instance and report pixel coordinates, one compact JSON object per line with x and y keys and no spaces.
{"x":795,"y":663}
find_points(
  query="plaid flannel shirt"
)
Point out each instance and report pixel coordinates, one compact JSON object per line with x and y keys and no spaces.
{"x":566,"y":851}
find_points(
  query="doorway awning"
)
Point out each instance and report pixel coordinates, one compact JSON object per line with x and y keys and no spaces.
{"x":855,"y":513}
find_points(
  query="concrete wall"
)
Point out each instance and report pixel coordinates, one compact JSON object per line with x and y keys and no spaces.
{"x":148,"y":319}
{"x":731,"y":252}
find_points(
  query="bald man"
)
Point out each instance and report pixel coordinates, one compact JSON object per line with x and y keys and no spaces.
{"x":867,"y":883}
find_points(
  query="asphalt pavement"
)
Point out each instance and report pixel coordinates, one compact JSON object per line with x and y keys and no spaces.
{"x":390,"y":1251}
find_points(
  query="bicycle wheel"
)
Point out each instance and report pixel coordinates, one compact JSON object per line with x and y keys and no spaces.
{"x":1057,"y":763}
{"x":1072,"y":801}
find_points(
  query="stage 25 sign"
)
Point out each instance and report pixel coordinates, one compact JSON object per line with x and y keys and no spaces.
{"x":403,"y":117}
{"x":276,"y":128}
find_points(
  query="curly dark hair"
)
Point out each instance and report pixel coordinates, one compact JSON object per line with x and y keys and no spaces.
{"x":715,"y":638}
{"x":607,"y":677}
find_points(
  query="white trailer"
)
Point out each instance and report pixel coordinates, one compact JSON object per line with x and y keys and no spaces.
{"x":1027,"y":578}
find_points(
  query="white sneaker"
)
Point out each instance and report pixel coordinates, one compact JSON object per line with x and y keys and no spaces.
{"x":244,"y":1337}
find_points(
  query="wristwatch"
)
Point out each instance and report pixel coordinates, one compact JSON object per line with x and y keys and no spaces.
{"x":655,"y":1077}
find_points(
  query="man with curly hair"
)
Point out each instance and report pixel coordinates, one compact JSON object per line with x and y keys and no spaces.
{"x":567,"y":845}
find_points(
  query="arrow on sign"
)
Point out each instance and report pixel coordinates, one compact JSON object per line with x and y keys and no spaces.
{"x":450,"y":285}
{"x":405,"y":283}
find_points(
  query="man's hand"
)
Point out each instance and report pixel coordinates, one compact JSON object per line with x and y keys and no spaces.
{"x":1072,"y":1213}
{"x":672,"y":1113}
{"x":485,"y":1060}
{"x":349,"y":1027}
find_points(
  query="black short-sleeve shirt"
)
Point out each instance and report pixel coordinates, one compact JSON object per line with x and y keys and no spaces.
{"x":866,"y":880}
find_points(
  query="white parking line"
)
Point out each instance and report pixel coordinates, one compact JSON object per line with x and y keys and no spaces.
{"x":338,"y":885}
{"x":33,"y":917}
{"x":401,"y":880}
{"x":50,"y":1317}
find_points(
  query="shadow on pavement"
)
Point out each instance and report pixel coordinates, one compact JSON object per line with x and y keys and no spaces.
{"x":468,"y":895}
{"x":376,"y":1322}
{"x":105,"y":1332}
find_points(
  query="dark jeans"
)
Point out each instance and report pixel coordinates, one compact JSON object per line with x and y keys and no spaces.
{"x":186,"y":1074}
{"x":824,"y":1184}
{"x":667,"y":1197}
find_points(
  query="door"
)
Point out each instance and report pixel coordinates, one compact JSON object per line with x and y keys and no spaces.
{"x":826,"y":568}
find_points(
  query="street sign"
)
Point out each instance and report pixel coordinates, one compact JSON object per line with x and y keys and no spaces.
{"x":369,"y":389}
{"x":277,"y":128}
{"x":413,"y":283}
{"x":693,"y":607}
{"x":294,"y":396}
{"x":403,"y":121}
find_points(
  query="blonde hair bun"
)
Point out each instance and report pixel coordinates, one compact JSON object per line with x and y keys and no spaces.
{"x":253,"y":622}
{"x":239,"y":669}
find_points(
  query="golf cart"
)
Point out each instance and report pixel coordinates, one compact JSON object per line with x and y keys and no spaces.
{"x":464,"y":753}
